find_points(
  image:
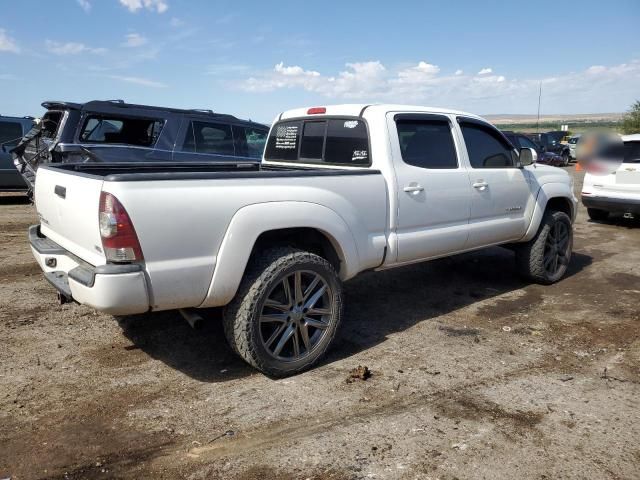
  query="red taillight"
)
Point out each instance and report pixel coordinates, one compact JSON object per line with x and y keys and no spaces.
{"x":316,"y":110}
{"x":119,"y":240}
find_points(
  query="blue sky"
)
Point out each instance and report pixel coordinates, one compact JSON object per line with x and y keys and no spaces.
{"x":255,"y":59}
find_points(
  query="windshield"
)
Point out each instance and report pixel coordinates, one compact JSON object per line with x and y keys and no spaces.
{"x":332,"y":141}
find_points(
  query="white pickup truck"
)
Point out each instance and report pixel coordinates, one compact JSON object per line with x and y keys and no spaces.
{"x":341,"y":189}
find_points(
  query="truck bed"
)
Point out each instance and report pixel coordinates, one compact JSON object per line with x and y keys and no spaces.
{"x":184,"y":214}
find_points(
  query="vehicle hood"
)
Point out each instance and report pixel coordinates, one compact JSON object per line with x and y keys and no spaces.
{"x":548,"y":174}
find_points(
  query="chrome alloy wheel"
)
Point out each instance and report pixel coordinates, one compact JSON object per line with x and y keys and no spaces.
{"x":296,"y":315}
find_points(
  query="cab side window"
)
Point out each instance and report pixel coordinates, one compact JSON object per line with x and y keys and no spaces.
{"x":427,"y":143}
{"x":205,"y":137}
{"x":250,"y":141}
{"x":486,"y":147}
{"x":526,"y":143}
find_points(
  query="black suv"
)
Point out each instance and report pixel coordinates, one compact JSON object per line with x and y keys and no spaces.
{"x":12,"y":129}
{"x":115,"y":132}
{"x":520,"y":140}
{"x":549,"y":142}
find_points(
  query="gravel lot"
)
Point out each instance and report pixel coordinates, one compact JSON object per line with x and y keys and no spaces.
{"x":475,"y":374}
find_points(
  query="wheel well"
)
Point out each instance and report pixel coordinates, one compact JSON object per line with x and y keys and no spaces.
{"x":560,"y":204}
{"x":304,"y":238}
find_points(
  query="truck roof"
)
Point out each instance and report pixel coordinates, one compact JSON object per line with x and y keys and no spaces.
{"x":357,"y":109}
{"x":9,"y":117}
{"x":111,"y":106}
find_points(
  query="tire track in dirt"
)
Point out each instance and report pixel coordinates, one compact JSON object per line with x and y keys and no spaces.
{"x":293,"y":430}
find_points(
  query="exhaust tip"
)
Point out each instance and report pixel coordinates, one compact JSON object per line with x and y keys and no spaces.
{"x":193,"y":319}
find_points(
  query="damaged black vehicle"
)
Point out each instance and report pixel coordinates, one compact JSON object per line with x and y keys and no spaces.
{"x":113,"y":131}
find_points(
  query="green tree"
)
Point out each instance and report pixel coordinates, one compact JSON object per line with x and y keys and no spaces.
{"x":631,"y":121}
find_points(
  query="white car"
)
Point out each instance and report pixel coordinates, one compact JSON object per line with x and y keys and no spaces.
{"x":573,"y":144}
{"x":341,"y":190}
{"x":617,"y":192}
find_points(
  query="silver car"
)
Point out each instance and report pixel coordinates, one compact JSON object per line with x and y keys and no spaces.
{"x":12,"y":129}
{"x":573,"y":143}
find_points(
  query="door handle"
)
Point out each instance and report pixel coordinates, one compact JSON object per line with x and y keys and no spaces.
{"x":481,"y":185}
{"x":413,"y":188}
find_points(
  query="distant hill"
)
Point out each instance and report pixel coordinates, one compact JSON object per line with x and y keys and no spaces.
{"x":576,"y":122}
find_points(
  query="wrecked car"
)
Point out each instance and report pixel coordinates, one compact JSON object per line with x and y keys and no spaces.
{"x":113,"y":131}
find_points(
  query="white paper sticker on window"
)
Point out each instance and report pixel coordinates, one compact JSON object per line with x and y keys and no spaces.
{"x":351,"y":124}
{"x":286,"y":136}
{"x":359,"y":155}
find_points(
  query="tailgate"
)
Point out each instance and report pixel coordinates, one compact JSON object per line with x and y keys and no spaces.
{"x":629,"y":174}
{"x":67,"y":205}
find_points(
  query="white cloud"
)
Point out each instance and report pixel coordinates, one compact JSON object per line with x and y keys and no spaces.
{"x":7,"y":44}
{"x":419,"y":73}
{"x":294,"y":71}
{"x":176,"y":22}
{"x":358,"y":79}
{"x":596,"y":69}
{"x":71,"y":48}
{"x":597,"y":88}
{"x":85,"y":5}
{"x":159,"y":6}
{"x":134,"y":40}
{"x":145,"y":82}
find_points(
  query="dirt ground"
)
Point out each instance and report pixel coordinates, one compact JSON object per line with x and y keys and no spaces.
{"x":475,"y":374}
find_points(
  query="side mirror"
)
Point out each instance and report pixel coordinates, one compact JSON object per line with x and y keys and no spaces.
{"x":528,"y":156}
{"x":4,"y":150}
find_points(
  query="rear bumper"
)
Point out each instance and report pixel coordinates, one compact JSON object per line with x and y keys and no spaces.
{"x":615,"y":205}
{"x":114,"y":289}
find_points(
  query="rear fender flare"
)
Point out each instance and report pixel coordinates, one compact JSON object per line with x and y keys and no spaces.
{"x":253,"y":220}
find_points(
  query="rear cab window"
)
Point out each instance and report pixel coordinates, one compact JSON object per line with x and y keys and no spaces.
{"x":342,"y":141}
{"x":142,"y":132}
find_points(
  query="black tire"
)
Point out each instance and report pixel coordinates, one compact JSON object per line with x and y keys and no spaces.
{"x":565,"y":159}
{"x":531,"y":257}
{"x":267,"y":271}
{"x":597,"y":214}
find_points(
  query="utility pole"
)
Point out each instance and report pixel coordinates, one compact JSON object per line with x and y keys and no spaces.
{"x":539,"y":97}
